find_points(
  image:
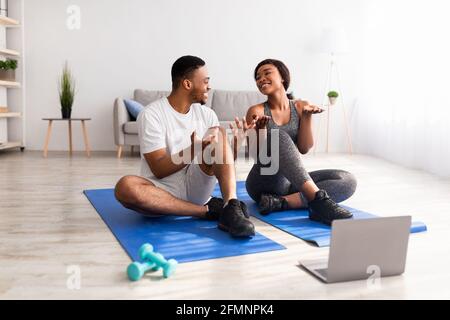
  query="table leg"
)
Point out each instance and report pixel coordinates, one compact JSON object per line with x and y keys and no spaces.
{"x":70,"y":137}
{"x":47,"y":138}
{"x":86,"y":141}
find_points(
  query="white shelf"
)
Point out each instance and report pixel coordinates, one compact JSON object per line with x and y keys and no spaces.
{"x":10,"y":114}
{"x":9,"y":145}
{"x":8,"y":22}
{"x":9,"y":84}
{"x":9,"y":52}
{"x":12,"y":35}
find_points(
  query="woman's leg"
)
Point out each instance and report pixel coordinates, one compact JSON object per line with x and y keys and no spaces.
{"x":292,"y":168}
{"x":291,"y":175}
{"x":339,"y":184}
{"x":257,"y":184}
{"x":322,"y":208}
{"x":266,"y":190}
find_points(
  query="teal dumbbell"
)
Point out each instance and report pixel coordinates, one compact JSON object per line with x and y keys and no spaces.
{"x":152,"y":261}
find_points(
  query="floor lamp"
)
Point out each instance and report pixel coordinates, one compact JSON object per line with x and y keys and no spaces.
{"x":333,"y":42}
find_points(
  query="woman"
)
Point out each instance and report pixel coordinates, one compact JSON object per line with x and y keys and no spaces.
{"x":292,"y":187}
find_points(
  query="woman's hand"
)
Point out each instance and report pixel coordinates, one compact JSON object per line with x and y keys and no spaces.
{"x":240,"y":131}
{"x":261,"y":121}
{"x":307,"y":108}
{"x":312,"y":109}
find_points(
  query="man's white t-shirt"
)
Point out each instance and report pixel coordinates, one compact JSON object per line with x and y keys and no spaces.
{"x":161,"y":126}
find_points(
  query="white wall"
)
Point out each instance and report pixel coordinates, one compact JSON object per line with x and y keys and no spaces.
{"x":404,"y":109}
{"x":123,"y":45}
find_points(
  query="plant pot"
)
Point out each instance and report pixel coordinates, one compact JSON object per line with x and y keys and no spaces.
{"x":66,"y":113}
{"x":332,"y":100}
{"x":8,"y":75}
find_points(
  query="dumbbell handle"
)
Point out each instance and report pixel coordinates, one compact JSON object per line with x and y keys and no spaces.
{"x":148,"y":265}
{"x":155,"y":258}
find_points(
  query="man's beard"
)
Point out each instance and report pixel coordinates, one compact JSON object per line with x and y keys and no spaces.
{"x":199,"y":98}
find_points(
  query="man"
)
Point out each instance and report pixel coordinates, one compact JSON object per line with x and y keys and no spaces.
{"x":170,"y":130}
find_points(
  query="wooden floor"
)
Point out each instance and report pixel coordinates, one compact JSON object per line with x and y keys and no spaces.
{"x":47,"y":224}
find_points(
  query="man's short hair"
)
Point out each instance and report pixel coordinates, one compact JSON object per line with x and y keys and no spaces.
{"x":183,"y":68}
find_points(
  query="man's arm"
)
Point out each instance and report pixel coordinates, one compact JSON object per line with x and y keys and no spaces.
{"x":162,"y":163}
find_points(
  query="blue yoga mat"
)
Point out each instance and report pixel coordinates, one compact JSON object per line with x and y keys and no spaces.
{"x":297,"y":223}
{"x":182,"y":238}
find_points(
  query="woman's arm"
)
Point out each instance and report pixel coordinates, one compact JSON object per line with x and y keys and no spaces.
{"x":305,"y":140}
{"x":240,"y":131}
{"x":256,"y":113}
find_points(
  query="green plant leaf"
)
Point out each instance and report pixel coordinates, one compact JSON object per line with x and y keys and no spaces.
{"x":333,"y":94}
{"x":66,"y":88}
{"x":8,"y":64}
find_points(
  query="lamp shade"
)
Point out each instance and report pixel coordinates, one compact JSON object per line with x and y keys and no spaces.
{"x":334,"y":40}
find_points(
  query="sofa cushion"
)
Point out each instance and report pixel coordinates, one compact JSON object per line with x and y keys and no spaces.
{"x":231,"y":104}
{"x":130,"y":127}
{"x":133,"y":108}
{"x":145,"y":97}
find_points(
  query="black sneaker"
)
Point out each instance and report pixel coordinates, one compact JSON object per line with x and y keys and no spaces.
{"x":234,"y":221}
{"x":215,"y":208}
{"x":323,"y":209}
{"x":271,"y":202}
{"x":244,"y":210}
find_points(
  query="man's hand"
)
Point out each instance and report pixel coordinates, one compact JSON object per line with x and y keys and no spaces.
{"x":198,"y":145}
{"x":164,"y":164}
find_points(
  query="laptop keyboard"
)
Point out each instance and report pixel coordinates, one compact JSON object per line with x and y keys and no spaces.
{"x":322,"y":272}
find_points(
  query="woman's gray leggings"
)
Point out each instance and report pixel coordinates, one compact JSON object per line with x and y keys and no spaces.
{"x":339,"y":184}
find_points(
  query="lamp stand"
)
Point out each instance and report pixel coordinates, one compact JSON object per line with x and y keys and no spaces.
{"x":333,"y":66}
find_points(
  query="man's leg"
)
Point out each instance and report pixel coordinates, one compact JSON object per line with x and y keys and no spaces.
{"x":222,"y":165}
{"x":141,"y":195}
{"x":234,"y":217}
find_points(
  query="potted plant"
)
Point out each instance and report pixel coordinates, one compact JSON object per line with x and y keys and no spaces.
{"x":8,"y":70}
{"x":66,"y":87}
{"x":332,"y":97}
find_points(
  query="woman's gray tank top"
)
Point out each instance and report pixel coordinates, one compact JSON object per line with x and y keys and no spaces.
{"x":291,"y":128}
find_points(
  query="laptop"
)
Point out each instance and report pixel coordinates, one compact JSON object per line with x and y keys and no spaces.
{"x":363,"y":248}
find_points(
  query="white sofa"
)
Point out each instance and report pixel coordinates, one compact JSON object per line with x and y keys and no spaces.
{"x":226,"y":104}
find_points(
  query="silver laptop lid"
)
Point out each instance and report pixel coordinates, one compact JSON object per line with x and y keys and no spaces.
{"x":361,"y":247}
